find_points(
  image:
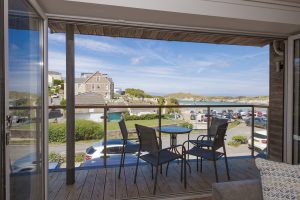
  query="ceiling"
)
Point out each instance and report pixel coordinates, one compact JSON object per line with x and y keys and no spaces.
{"x":264,"y":19}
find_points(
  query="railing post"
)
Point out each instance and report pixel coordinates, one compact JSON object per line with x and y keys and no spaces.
{"x":208,"y":117}
{"x":70,"y":107}
{"x":105,"y":134}
{"x":159,"y":125}
{"x":252,"y":132}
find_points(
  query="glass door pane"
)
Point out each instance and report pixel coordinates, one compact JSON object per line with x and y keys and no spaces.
{"x":2,"y":101}
{"x":25,"y":99}
{"x":296,"y":136}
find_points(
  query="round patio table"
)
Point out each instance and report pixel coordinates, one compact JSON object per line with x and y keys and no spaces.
{"x":173,"y":131}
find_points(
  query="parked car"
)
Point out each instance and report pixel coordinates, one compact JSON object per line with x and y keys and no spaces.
{"x":55,"y":95}
{"x":112,"y":160}
{"x":26,"y":163}
{"x":260,"y":140}
{"x":260,"y":122}
{"x":112,"y":147}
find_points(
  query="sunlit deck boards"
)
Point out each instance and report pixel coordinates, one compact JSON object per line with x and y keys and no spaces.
{"x":95,"y":184}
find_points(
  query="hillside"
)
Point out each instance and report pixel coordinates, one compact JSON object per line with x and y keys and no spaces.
{"x":238,"y":99}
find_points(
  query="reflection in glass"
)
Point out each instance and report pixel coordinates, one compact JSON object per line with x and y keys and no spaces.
{"x":25,"y":101}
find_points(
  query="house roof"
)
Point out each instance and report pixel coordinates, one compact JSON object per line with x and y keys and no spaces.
{"x":80,"y":80}
{"x":54,"y":73}
{"x":89,"y":98}
{"x":104,"y":75}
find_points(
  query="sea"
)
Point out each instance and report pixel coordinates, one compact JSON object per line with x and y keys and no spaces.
{"x":211,"y":103}
{"x":190,"y":102}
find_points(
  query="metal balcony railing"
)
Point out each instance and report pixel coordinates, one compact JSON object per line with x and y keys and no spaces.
{"x":208,"y":108}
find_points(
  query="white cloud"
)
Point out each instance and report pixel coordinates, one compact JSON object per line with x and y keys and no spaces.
{"x":136,"y":60}
{"x":57,"y":62}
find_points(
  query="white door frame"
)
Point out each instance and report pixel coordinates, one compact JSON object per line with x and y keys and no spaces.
{"x":289,"y":99}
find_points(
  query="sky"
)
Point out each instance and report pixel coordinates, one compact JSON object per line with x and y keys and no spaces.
{"x":162,"y":67}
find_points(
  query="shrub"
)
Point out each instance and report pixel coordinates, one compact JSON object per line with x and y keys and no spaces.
{"x":57,"y":132}
{"x":240,"y":138}
{"x":186,"y":125}
{"x":129,"y":117}
{"x":88,"y":130}
{"x":79,"y":157}
{"x":84,"y":130}
{"x":56,"y":157}
{"x":234,"y":143}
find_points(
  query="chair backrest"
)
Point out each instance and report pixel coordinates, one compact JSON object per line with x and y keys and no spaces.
{"x":123,"y":129}
{"x":215,"y":122}
{"x":147,"y":139}
{"x":220,"y":136}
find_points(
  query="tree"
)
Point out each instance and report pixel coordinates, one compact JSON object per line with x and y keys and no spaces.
{"x":63,"y":102}
{"x":58,"y":82}
{"x":161,"y":100}
{"x":172,"y":101}
{"x":137,"y":93}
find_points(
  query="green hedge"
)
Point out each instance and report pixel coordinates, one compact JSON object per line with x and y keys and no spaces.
{"x":84,"y":130}
{"x":129,"y":117}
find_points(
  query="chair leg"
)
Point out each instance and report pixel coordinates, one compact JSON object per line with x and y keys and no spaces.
{"x":201,"y":164}
{"x":161,"y":169}
{"x":167,"y":169}
{"x":181,"y":170}
{"x":185,"y":163}
{"x":197,"y":163}
{"x":155,"y":181}
{"x":152,"y":171}
{"x":136,"y":168}
{"x":121,"y":164}
{"x":226,"y":163}
{"x":216,"y":173}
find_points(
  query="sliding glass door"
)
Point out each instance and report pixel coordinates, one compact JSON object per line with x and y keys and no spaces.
{"x":296,"y":124}
{"x":292,"y":101}
{"x":24,"y":100}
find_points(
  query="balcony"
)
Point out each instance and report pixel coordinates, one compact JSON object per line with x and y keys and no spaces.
{"x":103,"y":183}
{"x":98,"y":180}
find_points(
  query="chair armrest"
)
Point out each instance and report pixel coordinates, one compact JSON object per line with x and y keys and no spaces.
{"x":173,"y":147}
{"x":236,"y":190}
{"x":203,"y":136}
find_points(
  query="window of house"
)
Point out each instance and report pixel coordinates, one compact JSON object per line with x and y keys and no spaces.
{"x":98,"y":78}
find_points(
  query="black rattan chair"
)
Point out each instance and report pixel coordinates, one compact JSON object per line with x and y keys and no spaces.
{"x":209,"y":151}
{"x":211,"y":132}
{"x":127,"y":147}
{"x":151,"y":152}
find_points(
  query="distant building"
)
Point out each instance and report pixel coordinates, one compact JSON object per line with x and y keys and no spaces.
{"x":96,"y":83}
{"x":52,"y":75}
{"x":88,"y":98}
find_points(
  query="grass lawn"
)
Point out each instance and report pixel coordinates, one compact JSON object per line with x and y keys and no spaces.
{"x":152,"y":123}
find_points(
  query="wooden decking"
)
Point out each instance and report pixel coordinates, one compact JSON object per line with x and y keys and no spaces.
{"x":96,"y":184}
